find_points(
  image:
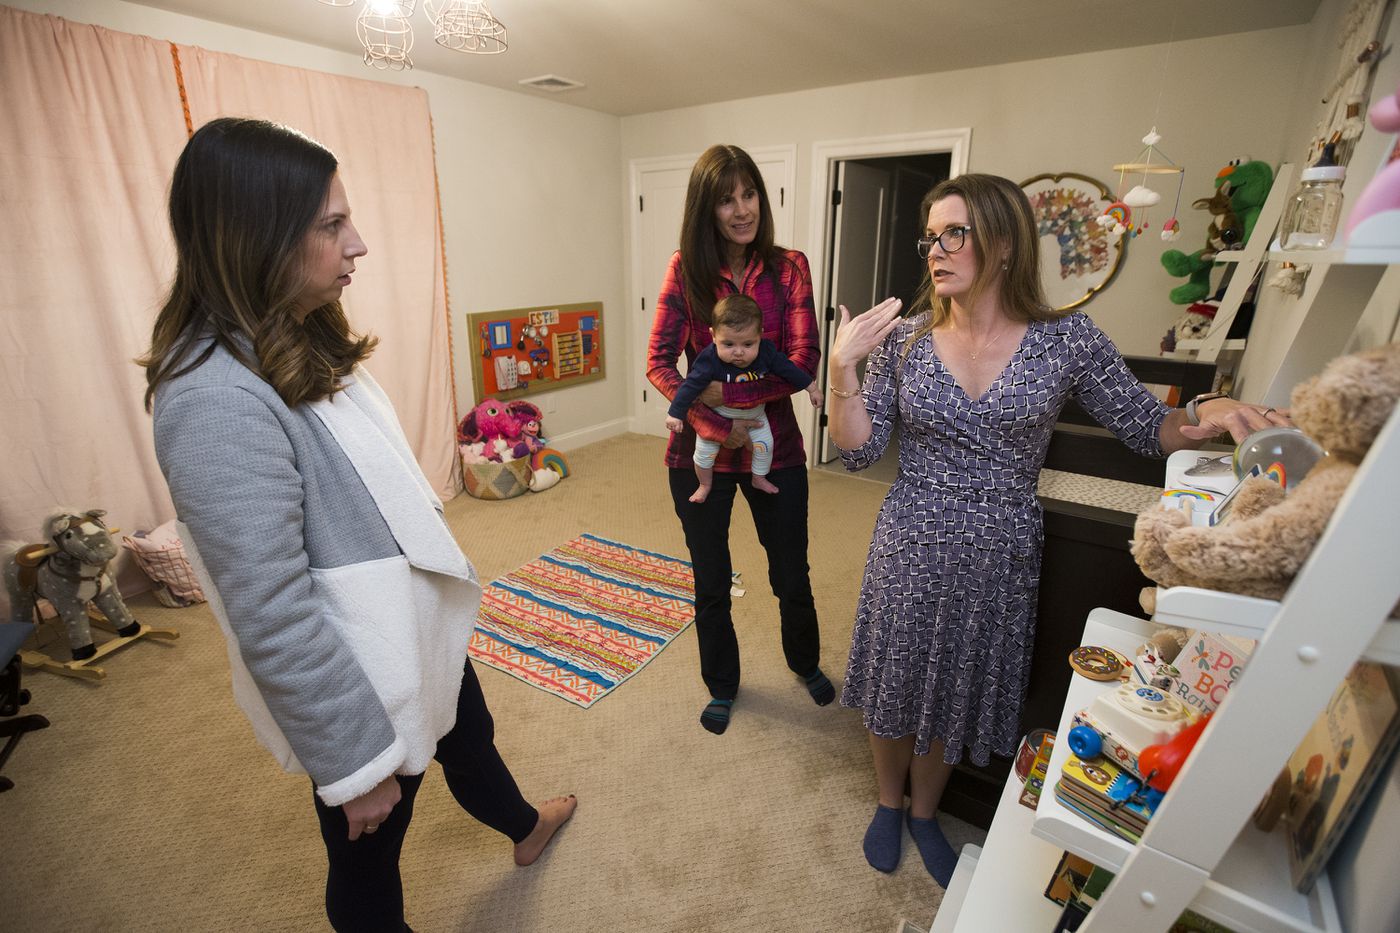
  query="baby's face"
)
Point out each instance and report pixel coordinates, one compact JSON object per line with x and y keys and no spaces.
{"x":737,"y":347}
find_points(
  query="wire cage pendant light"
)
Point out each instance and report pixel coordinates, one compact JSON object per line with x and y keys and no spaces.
{"x":466,"y":26}
{"x":386,"y":34}
{"x":385,"y":29}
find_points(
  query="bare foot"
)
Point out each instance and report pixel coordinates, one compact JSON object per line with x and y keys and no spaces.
{"x":761,"y":483}
{"x":700,"y":494}
{"x":554,"y":813}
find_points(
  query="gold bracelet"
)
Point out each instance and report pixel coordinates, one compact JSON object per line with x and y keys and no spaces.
{"x":840,"y":394}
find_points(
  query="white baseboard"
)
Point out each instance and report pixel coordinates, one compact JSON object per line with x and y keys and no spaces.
{"x":591,"y":434}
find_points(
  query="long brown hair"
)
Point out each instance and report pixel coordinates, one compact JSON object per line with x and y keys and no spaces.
{"x":1002,"y":222}
{"x":243,"y":198}
{"x":714,"y":176}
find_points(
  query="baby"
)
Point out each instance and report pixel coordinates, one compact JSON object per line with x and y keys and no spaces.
{"x":738,"y":354}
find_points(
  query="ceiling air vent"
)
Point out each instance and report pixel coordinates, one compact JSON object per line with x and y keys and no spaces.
{"x":551,"y":83}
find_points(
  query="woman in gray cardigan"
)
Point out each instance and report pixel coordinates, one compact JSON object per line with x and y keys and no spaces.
{"x":346,"y":603}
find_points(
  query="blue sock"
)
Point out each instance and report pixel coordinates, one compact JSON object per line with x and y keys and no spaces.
{"x":820,"y":687}
{"x":938,"y":855}
{"x":884,"y":839}
{"x":716,"y":716}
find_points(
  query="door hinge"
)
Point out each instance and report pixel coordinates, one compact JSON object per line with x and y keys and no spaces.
{"x":836,"y":198}
{"x":823,"y":419}
{"x":782,"y":194}
{"x":644,"y":304}
{"x":831,"y":314}
{"x":641,"y":203}
{"x":644,"y":396}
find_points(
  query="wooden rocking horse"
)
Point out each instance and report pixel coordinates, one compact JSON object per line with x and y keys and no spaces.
{"x":71,"y":572}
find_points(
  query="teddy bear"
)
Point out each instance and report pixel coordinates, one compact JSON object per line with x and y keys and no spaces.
{"x":1269,"y":534}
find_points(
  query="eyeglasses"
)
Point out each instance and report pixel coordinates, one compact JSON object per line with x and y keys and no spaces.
{"x":950,"y":240}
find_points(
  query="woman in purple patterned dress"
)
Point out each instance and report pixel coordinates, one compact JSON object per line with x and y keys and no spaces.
{"x":975,"y":380}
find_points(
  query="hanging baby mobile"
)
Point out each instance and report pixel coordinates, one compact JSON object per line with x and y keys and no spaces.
{"x":1128,"y":215}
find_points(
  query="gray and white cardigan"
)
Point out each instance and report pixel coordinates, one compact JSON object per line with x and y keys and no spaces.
{"x":346,"y":602}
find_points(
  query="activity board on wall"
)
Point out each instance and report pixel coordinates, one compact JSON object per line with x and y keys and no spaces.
{"x":529,"y":350}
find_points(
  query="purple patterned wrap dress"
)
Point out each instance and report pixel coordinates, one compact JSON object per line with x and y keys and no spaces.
{"x":941,"y":648}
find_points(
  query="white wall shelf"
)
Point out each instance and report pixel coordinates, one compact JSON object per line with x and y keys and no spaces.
{"x":1227,"y":613}
{"x":1353,"y":256}
{"x":1008,"y":876}
{"x":1251,"y":889}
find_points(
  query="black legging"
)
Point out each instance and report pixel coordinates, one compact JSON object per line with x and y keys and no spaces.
{"x":363,"y":888}
{"x":781,"y":520}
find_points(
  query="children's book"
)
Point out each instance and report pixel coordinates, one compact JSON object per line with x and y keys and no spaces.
{"x":1337,"y":763}
{"x":1103,"y":784}
{"x":1071,"y":802}
{"x":1035,"y":780}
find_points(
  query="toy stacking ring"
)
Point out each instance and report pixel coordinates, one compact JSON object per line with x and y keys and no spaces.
{"x":1096,"y":663}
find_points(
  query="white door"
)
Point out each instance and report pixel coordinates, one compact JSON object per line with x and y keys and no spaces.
{"x":859,"y":216}
{"x":657,"y":224}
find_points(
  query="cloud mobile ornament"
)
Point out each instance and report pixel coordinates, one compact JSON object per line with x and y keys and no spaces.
{"x":1117,"y":220}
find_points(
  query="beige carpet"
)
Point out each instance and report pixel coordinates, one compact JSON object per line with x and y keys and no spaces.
{"x":148,"y":806}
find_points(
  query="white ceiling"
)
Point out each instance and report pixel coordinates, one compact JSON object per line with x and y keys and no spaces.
{"x":639,"y":56}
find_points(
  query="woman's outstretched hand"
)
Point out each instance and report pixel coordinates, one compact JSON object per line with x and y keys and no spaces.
{"x":857,"y":337}
{"x":1238,"y":419}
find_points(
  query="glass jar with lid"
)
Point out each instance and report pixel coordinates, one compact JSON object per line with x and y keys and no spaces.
{"x":1310,"y":220}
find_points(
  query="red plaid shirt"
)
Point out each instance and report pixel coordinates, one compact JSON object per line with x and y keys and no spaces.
{"x":788,"y":320}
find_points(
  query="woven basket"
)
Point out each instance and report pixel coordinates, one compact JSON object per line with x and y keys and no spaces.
{"x":491,"y":480}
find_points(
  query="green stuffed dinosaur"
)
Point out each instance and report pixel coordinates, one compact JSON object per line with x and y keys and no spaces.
{"x":1240,"y":192}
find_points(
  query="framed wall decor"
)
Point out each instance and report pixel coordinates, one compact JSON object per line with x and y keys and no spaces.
{"x":1078,"y":257}
{"x":528,"y":350}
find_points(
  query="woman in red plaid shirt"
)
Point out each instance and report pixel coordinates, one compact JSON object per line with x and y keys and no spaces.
{"x":727,"y":248}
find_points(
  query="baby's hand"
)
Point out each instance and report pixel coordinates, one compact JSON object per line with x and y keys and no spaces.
{"x":815,"y":394}
{"x":674,"y":425}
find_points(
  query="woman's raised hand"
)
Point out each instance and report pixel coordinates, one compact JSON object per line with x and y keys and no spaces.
{"x":857,"y":337}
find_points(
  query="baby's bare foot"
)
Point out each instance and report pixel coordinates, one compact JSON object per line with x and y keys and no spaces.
{"x":554,"y":813}
{"x":761,"y":483}
{"x":701,"y":494}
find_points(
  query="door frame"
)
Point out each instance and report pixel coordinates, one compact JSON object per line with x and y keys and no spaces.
{"x":787,"y":154}
{"x":955,"y":142}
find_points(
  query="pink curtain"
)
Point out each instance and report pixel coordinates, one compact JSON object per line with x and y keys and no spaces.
{"x":383,"y":138}
{"x":90,"y":126}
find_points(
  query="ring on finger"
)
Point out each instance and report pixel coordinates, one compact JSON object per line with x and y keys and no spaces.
{"x":372,"y":827}
{"x":1266,"y":411}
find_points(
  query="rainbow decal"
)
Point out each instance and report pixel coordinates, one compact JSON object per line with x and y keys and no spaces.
{"x":1188,"y":494}
{"x":1277,"y":473}
{"x":547,"y":458}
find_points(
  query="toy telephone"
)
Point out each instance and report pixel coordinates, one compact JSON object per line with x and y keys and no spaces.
{"x":1131,"y":717}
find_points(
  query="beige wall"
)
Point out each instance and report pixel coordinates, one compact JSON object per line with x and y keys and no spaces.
{"x":536,"y":198}
{"x":530,"y":194}
{"x":1211,"y":99}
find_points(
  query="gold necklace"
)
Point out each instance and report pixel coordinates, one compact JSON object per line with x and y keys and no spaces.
{"x":986,"y":346}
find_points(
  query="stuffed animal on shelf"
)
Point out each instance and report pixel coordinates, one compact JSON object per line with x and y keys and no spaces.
{"x":1269,"y":535}
{"x":70,"y":570}
{"x":1240,"y":190}
{"x":1192,"y":325}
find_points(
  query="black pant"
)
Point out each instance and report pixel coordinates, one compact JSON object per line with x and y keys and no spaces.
{"x":781,"y":520}
{"x":363,"y":889}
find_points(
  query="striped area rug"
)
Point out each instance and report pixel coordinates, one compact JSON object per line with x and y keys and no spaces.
{"x":583,"y":618}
